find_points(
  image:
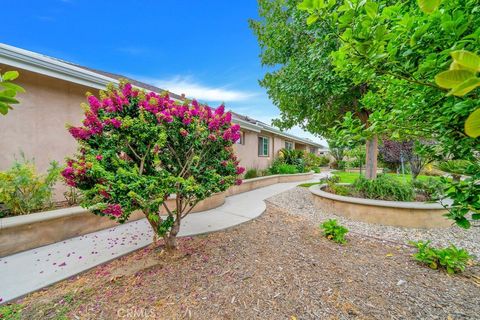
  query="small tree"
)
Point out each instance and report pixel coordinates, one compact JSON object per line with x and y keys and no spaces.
{"x":138,"y":149}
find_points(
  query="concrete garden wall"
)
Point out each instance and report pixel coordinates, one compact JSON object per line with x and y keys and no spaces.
{"x":42,"y":228}
{"x":390,"y":213}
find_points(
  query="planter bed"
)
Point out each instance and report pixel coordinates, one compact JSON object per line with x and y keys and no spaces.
{"x":30,"y":231}
{"x":390,"y":213}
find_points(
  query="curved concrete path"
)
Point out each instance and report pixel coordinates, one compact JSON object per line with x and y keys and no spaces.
{"x":27,"y":271}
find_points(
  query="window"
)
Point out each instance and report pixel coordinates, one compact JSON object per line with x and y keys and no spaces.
{"x":313,"y":150}
{"x":288,"y":145}
{"x":263,"y":146}
{"x":242,"y":138}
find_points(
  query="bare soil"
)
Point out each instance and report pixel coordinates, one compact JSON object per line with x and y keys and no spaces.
{"x":276,"y":267}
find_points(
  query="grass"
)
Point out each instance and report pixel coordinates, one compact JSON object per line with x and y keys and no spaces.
{"x":11,"y":311}
{"x":306,"y":185}
{"x":350,"y":177}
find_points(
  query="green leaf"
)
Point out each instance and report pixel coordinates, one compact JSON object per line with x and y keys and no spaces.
{"x":312,"y":19}
{"x":472,"y":125}
{"x":3,"y":108}
{"x":466,"y":59}
{"x":305,"y":5}
{"x":463,"y":222}
{"x":452,"y":78}
{"x":476,"y":216}
{"x":371,"y":8}
{"x":8,"y":99}
{"x":12,"y":86}
{"x":428,"y":6}
{"x":465,"y":87}
{"x":8,"y":93}
{"x":10,"y":75}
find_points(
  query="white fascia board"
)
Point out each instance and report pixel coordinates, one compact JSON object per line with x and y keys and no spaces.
{"x":291,"y":137}
{"x":246,"y":124}
{"x":38,"y":63}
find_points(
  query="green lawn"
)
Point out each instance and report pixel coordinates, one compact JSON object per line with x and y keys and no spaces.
{"x":350,"y":177}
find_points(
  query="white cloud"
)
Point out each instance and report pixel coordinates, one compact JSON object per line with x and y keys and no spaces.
{"x":193,"y":89}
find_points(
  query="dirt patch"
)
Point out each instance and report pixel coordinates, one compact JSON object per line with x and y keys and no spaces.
{"x":275,"y":267}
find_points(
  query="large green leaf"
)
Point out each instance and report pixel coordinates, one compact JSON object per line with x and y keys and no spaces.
{"x":6,"y":99}
{"x":371,"y":8}
{"x":3,"y":108}
{"x":465,"y":87}
{"x":312,"y":19}
{"x":12,"y":86}
{"x":305,"y":5}
{"x":472,"y":125}
{"x":428,"y":6}
{"x":466,"y":59}
{"x":10,"y":75}
{"x":452,"y":78}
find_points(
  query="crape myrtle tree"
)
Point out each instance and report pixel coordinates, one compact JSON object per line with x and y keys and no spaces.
{"x":138,"y":149}
{"x":399,"y":48}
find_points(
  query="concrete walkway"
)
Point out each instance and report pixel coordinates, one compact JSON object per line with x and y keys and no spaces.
{"x":27,"y":271}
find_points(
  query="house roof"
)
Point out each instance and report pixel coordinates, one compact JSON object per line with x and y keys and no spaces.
{"x":68,"y":71}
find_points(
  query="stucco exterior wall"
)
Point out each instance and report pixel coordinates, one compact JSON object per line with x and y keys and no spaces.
{"x":248,"y":152}
{"x":36,"y":126}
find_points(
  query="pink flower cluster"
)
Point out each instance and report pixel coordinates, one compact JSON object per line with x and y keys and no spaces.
{"x":73,"y":170}
{"x":113,"y":210}
{"x":165,"y":109}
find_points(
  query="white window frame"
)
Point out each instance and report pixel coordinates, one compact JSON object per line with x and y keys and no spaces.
{"x":241,"y":140}
{"x":262,"y":141}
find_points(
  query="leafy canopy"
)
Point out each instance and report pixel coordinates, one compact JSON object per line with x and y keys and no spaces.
{"x":136,"y":149}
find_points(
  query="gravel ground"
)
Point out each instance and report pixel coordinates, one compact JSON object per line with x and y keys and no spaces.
{"x":299,"y":201}
{"x":275,"y":267}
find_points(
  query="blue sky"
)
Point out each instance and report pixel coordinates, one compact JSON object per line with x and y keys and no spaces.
{"x":204,"y":49}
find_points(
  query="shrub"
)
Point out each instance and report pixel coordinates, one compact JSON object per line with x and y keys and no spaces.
{"x":279,"y":167}
{"x":341,"y":165}
{"x":384,"y":187}
{"x":452,"y":259}
{"x":333,"y":187}
{"x":430,"y":170}
{"x":23,"y":190}
{"x":431,"y":188}
{"x":72,"y":196}
{"x":294,"y":158}
{"x":137,"y":148}
{"x":455,"y":167}
{"x":312,"y":161}
{"x":251,"y":173}
{"x":333,"y":231}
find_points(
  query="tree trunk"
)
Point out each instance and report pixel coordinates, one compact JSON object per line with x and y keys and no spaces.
{"x":371,"y":159}
{"x":171,"y":237}
{"x":170,"y":242}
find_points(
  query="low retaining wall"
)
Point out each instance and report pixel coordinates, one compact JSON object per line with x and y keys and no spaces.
{"x":390,"y":213}
{"x":42,"y":228}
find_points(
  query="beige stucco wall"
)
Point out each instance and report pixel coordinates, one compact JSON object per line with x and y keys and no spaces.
{"x":36,"y":126}
{"x":248,"y":152}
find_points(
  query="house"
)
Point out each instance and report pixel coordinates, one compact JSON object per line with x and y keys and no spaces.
{"x":54,"y":91}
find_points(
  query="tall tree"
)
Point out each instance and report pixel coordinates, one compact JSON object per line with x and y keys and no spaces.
{"x":303,"y":83}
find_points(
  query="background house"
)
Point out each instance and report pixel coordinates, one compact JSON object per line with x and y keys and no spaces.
{"x":54,"y":91}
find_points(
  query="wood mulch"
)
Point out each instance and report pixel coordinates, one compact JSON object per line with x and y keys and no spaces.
{"x":276,"y":267}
